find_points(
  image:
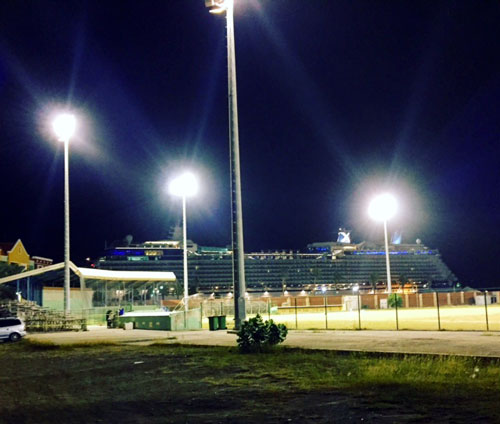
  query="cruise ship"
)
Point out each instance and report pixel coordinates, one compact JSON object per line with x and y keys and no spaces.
{"x":324,"y":266}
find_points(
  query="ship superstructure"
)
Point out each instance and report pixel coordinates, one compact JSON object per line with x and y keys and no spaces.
{"x":323,"y":266}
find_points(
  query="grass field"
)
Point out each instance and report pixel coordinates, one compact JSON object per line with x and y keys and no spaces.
{"x":179,"y":384}
{"x":466,"y":318}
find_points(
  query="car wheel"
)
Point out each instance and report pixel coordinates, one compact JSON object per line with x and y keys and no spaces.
{"x":14,"y":337}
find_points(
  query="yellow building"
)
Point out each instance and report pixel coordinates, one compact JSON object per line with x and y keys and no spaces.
{"x":15,"y":253}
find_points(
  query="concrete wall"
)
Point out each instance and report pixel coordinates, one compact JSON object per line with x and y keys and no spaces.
{"x":372,"y":301}
{"x":53,"y":297}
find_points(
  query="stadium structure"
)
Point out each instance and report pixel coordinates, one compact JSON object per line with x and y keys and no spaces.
{"x":325,"y":266}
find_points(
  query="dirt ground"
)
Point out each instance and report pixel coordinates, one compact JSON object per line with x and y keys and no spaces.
{"x":481,"y":344}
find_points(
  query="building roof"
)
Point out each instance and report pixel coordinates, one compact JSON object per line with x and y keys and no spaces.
{"x":41,"y":258}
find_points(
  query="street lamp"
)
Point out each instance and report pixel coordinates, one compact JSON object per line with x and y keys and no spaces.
{"x":64,"y":127}
{"x":220,"y":6}
{"x":383,"y":208}
{"x":184,"y":186}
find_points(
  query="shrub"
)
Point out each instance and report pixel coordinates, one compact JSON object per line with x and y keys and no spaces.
{"x":255,"y":335}
{"x":394,"y":300}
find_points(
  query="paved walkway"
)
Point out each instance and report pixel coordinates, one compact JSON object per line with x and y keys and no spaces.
{"x":420,"y":342}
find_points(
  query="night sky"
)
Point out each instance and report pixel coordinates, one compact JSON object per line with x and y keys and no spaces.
{"x":338,"y":100}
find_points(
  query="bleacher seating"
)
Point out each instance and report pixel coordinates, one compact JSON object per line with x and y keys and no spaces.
{"x":40,"y":319}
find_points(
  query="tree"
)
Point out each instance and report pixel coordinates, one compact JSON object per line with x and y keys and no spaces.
{"x":374,"y":280}
{"x":7,"y":269}
{"x":395,"y":300}
{"x":403,"y":280}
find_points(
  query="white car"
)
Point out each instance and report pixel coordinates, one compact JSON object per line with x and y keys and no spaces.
{"x":12,"y":329}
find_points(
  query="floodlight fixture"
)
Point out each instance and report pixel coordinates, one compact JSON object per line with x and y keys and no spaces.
{"x":217,"y":6}
{"x":383,"y":207}
{"x":64,"y":126}
{"x":185,"y":185}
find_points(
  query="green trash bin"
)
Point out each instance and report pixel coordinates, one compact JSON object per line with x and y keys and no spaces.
{"x":222,"y":322}
{"x":213,"y":323}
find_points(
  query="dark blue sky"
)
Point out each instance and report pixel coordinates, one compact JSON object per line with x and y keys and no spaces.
{"x":337,"y":100}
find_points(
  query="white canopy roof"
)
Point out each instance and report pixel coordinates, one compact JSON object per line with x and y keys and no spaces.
{"x":97,"y":274}
{"x":104,"y":274}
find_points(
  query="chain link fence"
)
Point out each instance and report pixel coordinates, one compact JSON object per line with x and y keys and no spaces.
{"x":477,"y":310}
{"x":455,"y":311}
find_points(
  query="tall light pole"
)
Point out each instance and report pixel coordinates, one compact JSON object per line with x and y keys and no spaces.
{"x":64,"y":126}
{"x":227,"y":6}
{"x":184,"y":186}
{"x":383,"y":208}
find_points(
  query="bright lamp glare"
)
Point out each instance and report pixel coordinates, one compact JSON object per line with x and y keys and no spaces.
{"x":217,"y":10}
{"x":184,"y":186}
{"x":64,"y":126}
{"x":383,"y":207}
{"x":218,"y":6}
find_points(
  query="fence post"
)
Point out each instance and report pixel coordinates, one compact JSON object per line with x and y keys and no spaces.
{"x":221,"y":308}
{"x":439,"y":315}
{"x":296,"y":317}
{"x":396,"y":303}
{"x":201,"y":314}
{"x":269,"y":308}
{"x":486,"y":309}
{"x":359,"y":311}
{"x":326,"y":313}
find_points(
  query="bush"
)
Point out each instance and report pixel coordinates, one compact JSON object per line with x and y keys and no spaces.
{"x":255,"y":335}
{"x":394,"y":300}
